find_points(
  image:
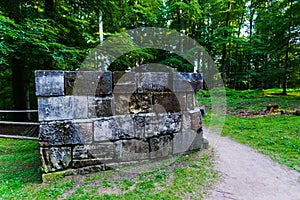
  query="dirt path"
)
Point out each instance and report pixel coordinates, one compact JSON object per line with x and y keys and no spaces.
{"x":250,"y":175}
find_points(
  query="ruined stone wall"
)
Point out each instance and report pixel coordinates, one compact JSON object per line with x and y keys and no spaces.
{"x":92,"y":121}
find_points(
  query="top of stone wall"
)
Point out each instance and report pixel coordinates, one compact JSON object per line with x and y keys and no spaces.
{"x":58,"y":83}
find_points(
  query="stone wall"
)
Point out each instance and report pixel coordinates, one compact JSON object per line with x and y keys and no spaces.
{"x":91,"y":121}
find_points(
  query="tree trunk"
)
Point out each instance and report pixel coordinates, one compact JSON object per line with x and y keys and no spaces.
{"x":286,"y":66}
{"x":224,"y":50}
{"x":18,"y":71}
{"x":49,"y":8}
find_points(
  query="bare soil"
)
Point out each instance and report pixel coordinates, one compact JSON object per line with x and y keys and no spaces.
{"x":247,"y":174}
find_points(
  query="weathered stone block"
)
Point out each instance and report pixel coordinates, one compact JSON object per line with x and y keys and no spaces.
{"x":121,"y":104}
{"x":62,"y":108}
{"x":186,"y":82}
{"x":190,"y":101}
{"x":172,"y":123}
{"x":88,"y":83}
{"x":55,"y":158}
{"x":79,"y":107}
{"x":84,"y":132}
{"x":161,"y":81}
{"x":161,"y":146}
{"x":110,"y":129}
{"x":103,"y":129}
{"x":185,"y":141}
{"x":124,"y":82}
{"x":197,"y":142}
{"x":65,"y":133}
{"x":124,"y":78}
{"x":92,"y":169}
{"x":49,"y":83}
{"x":93,"y":154}
{"x":162,"y":124}
{"x":104,"y":84}
{"x":128,"y":150}
{"x":99,"y":107}
{"x":125,"y":124}
{"x":140,"y":103}
{"x":153,"y":124}
{"x":87,"y":163}
{"x":81,"y":152}
{"x":196,"y":122}
{"x":139,"y":125}
{"x":168,"y":100}
{"x":154,"y":81}
{"x":186,"y":121}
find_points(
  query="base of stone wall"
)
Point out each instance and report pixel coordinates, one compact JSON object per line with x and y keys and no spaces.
{"x":103,"y":167}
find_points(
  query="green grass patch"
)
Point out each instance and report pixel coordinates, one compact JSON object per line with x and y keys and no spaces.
{"x":276,"y":136}
{"x":19,"y":165}
{"x":185,"y":176}
{"x":247,"y":122}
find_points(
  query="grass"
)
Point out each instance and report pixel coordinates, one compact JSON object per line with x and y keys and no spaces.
{"x":185,"y":176}
{"x":273,"y":134}
{"x":19,"y":165}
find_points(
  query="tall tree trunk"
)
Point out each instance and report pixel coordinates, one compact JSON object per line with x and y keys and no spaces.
{"x":224,"y":50}
{"x":18,"y":71}
{"x":286,"y":66}
{"x":50,"y":8}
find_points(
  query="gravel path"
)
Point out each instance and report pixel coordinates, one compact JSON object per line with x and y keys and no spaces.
{"x":247,"y":174}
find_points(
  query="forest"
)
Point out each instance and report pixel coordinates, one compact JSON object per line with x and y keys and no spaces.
{"x":254,"y":43}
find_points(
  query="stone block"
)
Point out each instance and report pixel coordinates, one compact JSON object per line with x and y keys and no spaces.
{"x":110,"y":129}
{"x":88,"y":83}
{"x":185,"y":141}
{"x":161,"y":146}
{"x":140,"y":103}
{"x":55,"y":158}
{"x":154,"y":81}
{"x":187,"y":82}
{"x":186,"y":121}
{"x":99,"y":107}
{"x":62,"y":108}
{"x":79,"y":107}
{"x":127,"y":78}
{"x":131,"y":150}
{"x":161,"y":82}
{"x":162,"y":124}
{"x":191,"y":101}
{"x":92,"y":169}
{"x":125,"y":124}
{"x":172,"y":123}
{"x":65,"y":133}
{"x":139,"y":125}
{"x":121,"y":104}
{"x":103,"y":129}
{"x":81,"y":152}
{"x":49,"y":83}
{"x":168,"y":101}
{"x":124,"y":82}
{"x":87,"y":162}
{"x":93,"y":154}
{"x":196,"y":122}
{"x":153,"y":124}
{"x":197,"y":142}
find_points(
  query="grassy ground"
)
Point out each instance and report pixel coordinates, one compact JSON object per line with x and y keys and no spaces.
{"x":273,"y":134}
{"x":185,"y":176}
